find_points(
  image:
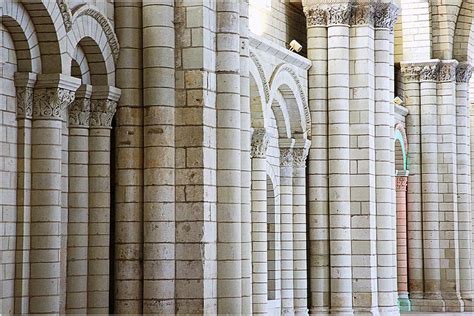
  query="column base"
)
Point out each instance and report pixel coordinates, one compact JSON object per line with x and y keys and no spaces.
{"x":453,"y":304}
{"x":342,"y":311}
{"x":323,"y":311}
{"x":301,"y":311}
{"x":468,"y":304}
{"x":404,"y":303}
{"x":427,"y":305}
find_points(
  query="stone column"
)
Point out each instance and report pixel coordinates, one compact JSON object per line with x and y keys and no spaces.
{"x":246,"y":164}
{"x":286,"y":227}
{"x":259,"y":145}
{"x":430,"y":192}
{"x":229,"y":230}
{"x":385,"y":18}
{"x":24,"y":83}
{"x":402,"y":255}
{"x":52,"y":95}
{"x":318,"y":198}
{"x":103,"y":107}
{"x":300,"y":270}
{"x":464,"y":199}
{"x":410,"y":74}
{"x":128,"y":215}
{"x":338,"y":146}
{"x":78,"y":202}
{"x":447,"y":177}
{"x":159,"y":157}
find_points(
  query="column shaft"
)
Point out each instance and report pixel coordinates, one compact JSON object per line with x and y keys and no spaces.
{"x":159,"y":161}
{"x":319,"y":273}
{"x":339,"y":183}
{"x":128,"y":215}
{"x":463,"y":156}
{"x":229,"y":230}
{"x":402,"y":254}
{"x":78,"y":202}
{"x":52,"y":95}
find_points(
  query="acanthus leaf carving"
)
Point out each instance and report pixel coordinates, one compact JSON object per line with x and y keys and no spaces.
{"x":286,"y":157}
{"x":102,"y":113}
{"x":464,"y":72}
{"x":299,"y":157}
{"x":386,"y":15}
{"x":79,"y":112}
{"x":447,"y":71}
{"x":429,"y":72}
{"x":66,"y":14}
{"x":24,"y":97}
{"x":51,"y":103}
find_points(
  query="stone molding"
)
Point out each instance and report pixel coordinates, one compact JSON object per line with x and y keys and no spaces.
{"x":377,"y":14}
{"x":51,"y":103}
{"x":65,"y":13}
{"x":259,"y":143}
{"x":102,"y":112}
{"x":104,"y":23}
{"x":464,"y":72}
{"x":402,"y":182}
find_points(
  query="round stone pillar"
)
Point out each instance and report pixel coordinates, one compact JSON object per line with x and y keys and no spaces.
{"x":463,"y":155}
{"x":52,"y":96}
{"x":300,"y":272}
{"x":402,"y":255}
{"x":339,"y":161}
{"x":24,"y":83}
{"x":259,"y":222}
{"x":286,"y":228}
{"x":228,"y":140}
{"x":103,"y":107}
{"x":78,"y":202}
{"x":429,"y":177}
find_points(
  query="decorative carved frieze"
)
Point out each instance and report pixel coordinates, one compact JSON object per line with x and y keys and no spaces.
{"x":411,"y":72}
{"x":79,"y":112}
{"x":259,"y":143}
{"x":24,"y":99}
{"x":378,"y":14}
{"x":464,"y":72}
{"x":102,"y":113}
{"x":51,"y":103}
{"x":104,"y":23}
{"x":401,"y":184}
{"x":66,"y":14}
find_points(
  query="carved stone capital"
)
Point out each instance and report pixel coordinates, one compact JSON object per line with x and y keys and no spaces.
{"x":464,"y":72}
{"x":259,"y":143}
{"x":102,"y":112}
{"x":401,"y":184}
{"x":447,"y":71}
{"x":24,"y":83}
{"x":429,"y":72}
{"x":411,"y":72}
{"x":299,"y":157}
{"x":333,"y":12}
{"x":363,"y":13}
{"x":24,"y":100}
{"x":51,"y":103}
{"x":386,"y":15}
{"x":286,"y":157}
{"x":79,"y":110}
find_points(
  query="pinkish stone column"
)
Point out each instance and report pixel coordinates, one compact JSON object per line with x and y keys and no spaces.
{"x":402,"y":255}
